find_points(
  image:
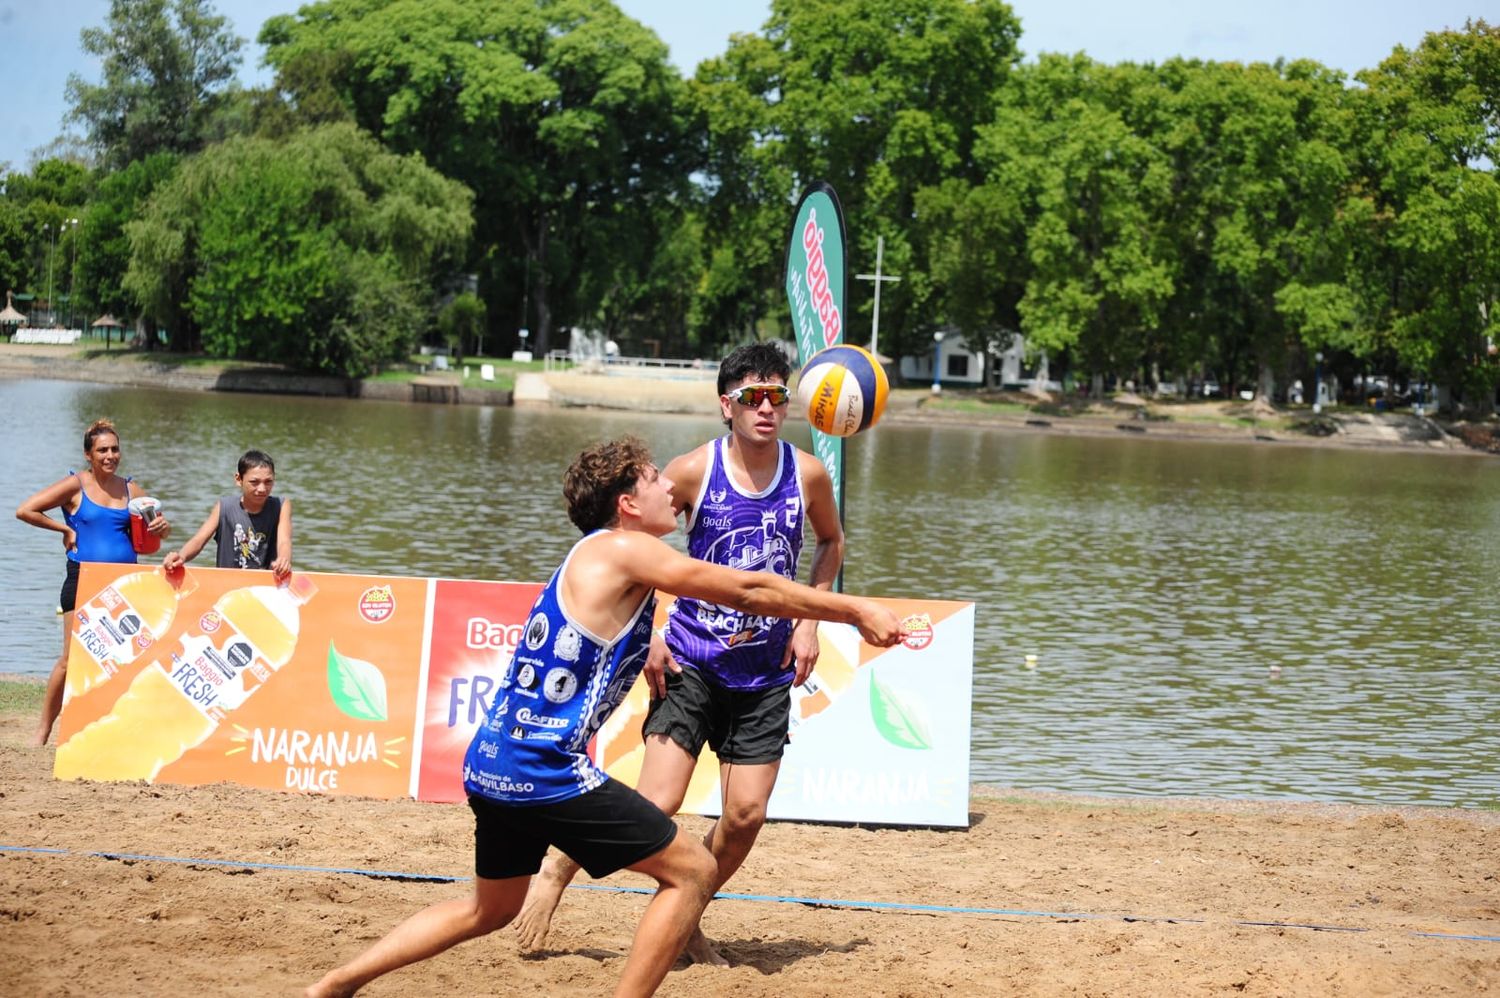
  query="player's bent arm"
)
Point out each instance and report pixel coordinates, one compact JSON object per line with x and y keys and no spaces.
{"x":34,"y":509}
{"x":686,"y":474}
{"x":652,"y":562}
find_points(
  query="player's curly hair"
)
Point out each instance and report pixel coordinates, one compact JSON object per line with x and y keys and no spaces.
{"x":97,"y":429}
{"x":599,"y":476}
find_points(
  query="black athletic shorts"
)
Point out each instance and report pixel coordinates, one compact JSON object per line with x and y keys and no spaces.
{"x":607,"y":829}
{"x":68,"y":597}
{"x":744,"y":727}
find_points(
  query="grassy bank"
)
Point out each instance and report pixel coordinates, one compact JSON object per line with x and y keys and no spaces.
{"x":21,"y":696}
{"x":416,"y":366}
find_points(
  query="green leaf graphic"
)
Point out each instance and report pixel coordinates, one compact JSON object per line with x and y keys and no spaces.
{"x":898,"y":720}
{"x":358,"y":688}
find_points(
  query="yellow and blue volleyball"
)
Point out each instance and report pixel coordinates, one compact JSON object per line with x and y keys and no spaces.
{"x":842,"y":390}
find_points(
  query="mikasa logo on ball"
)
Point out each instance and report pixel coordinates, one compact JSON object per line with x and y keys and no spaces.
{"x":823,"y":402}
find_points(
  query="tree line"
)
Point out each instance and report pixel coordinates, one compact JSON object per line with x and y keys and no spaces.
{"x":1145,"y":221}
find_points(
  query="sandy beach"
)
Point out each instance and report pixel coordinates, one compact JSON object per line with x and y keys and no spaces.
{"x":222,"y":890}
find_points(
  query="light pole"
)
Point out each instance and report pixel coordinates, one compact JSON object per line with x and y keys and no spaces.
{"x":72,"y":224}
{"x":937,"y":356}
{"x":51,"y":257}
{"x":1318,"y":382}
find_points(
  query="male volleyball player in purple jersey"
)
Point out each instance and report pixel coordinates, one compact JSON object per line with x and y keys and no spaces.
{"x":528,"y":775}
{"x":721,"y":676}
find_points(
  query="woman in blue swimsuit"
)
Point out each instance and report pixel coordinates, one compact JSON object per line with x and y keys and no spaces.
{"x":95,"y":527}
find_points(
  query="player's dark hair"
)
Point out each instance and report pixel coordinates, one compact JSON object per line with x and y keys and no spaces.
{"x":599,"y":476}
{"x":256,"y":459}
{"x":763,"y":360}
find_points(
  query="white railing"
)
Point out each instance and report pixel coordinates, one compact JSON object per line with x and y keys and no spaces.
{"x":34,"y":334}
{"x":693,"y":365}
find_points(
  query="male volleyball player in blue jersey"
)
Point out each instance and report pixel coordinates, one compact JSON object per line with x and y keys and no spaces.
{"x":722,"y":676}
{"x":529,"y":779}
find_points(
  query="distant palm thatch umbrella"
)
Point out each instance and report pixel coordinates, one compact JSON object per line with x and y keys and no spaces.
{"x":107,"y":322}
{"x":10,"y":317}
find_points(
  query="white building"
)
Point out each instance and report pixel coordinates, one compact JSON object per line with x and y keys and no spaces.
{"x":960,"y":365}
{"x":963,"y":367}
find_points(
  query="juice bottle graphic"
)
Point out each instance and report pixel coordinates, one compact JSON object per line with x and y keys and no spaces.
{"x":176,"y":702}
{"x":122,"y":620}
{"x":838,"y":657}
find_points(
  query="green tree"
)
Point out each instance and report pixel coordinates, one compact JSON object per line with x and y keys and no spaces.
{"x":1433,"y":137}
{"x":167,"y":67}
{"x":104,"y":246}
{"x":38,"y":240}
{"x":461,"y":322}
{"x":881,"y":98}
{"x":14,"y":272}
{"x":319,"y":252}
{"x":564,"y":116}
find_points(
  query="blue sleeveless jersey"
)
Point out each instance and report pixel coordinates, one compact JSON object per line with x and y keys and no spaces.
{"x":562,"y":683}
{"x":758,"y":532}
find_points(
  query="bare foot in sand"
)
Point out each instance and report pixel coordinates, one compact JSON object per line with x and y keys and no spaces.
{"x":542,"y":898}
{"x":700,"y":950}
{"x":324,"y":990}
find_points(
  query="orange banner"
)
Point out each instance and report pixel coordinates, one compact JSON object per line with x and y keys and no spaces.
{"x":309,"y":686}
{"x":348,"y":684}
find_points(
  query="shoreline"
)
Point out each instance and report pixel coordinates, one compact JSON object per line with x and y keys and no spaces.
{"x":646,"y":391}
{"x":18,"y":707}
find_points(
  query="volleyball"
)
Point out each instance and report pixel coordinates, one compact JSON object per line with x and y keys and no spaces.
{"x":842,"y":390}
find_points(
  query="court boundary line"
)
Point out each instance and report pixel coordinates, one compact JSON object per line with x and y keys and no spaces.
{"x":844,"y":904}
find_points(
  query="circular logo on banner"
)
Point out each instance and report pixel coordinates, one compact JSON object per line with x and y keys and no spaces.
{"x":560,"y":685}
{"x":377,"y":604}
{"x":209,"y":622}
{"x":918,"y":629}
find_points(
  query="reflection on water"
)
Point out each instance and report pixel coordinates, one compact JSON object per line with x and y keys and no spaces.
{"x":1160,"y":584}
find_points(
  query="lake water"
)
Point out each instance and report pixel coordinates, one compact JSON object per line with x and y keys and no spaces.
{"x":1258,"y":620}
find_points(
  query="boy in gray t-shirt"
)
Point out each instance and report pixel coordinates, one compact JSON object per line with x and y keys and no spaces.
{"x":253,"y":528}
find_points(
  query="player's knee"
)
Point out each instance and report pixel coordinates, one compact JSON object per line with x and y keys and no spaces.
{"x":692,"y":868}
{"x":702,"y":873}
{"x":484,"y":920}
{"x":667,"y":799}
{"x":743,"y":817}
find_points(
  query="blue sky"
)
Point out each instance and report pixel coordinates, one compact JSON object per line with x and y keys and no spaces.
{"x":40,"y":38}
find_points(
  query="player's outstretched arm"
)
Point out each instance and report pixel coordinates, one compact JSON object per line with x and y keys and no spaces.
{"x":649,"y":561}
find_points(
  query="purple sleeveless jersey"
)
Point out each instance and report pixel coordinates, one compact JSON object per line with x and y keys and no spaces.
{"x":759,"y":532}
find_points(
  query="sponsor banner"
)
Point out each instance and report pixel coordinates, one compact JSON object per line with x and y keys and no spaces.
{"x":306,"y":687}
{"x":475,"y":628}
{"x":346,"y":684}
{"x":878,"y":734}
{"x":815,"y":291}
